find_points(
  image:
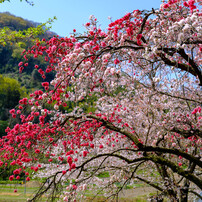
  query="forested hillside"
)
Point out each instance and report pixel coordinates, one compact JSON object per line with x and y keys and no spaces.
{"x":15,"y":85}
{"x":11,"y":53}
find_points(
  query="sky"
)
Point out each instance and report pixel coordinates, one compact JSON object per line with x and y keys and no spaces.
{"x":72,"y":14}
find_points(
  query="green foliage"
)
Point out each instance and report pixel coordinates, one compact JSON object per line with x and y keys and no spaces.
{"x":11,"y":182}
{"x":3,"y":126}
{"x":6,"y":171}
{"x":16,"y":35}
{"x":103,"y":175}
{"x":14,"y":29}
{"x":88,"y":104}
{"x":10,"y":94}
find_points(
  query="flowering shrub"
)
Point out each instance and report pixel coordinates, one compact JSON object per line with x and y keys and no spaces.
{"x":145,"y":73}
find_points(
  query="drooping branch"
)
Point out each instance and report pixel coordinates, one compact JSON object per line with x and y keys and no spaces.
{"x":133,"y":137}
{"x":195,"y":193}
{"x":181,"y":66}
{"x":145,"y":20}
{"x":173,"y":151}
{"x":142,"y":147}
{"x":129,"y":161}
{"x":188,"y":133}
{"x":178,"y":97}
{"x":149,"y":183}
{"x":196,"y":69}
{"x":156,"y":159}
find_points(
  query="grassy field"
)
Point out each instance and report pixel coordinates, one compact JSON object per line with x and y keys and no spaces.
{"x":22,"y":194}
{"x":139,"y":194}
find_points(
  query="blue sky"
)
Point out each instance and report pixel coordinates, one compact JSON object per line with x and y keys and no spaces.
{"x":72,"y":14}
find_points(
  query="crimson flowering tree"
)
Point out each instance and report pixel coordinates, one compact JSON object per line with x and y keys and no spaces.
{"x":144,"y":73}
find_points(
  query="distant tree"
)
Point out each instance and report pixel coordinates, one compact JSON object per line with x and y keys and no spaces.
{"x":5,"y":56}
{"x":10,"y":94}
{"x":3,"y":126}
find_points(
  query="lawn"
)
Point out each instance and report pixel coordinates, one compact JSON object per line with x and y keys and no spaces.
{"x":22,"y":194}
{"x":138,"y":194}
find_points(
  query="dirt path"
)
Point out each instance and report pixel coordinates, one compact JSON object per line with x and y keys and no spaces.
{"x":139,"y":191}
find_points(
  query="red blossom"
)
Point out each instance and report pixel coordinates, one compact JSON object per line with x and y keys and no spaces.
{"x":116,"y":61}
{"x":166,"y":5}
{"x":101,"y":146}
{"x":85,"y":153}
{"x":64,"y":172}
{"x":18,"y":177}
{"x":11,"y":177}
{"x":37,"y":151}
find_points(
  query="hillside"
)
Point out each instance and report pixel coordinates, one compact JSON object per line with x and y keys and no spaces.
{"x":10,"y":56}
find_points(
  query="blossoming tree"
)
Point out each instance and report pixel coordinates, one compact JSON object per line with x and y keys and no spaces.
{"x":144,"y":73}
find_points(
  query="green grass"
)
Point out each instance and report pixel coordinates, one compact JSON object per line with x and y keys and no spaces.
{"x":103,"y":175}
{"x":7,"y":194}
{"x":11,"y":182}
{"x":21,"y":188}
